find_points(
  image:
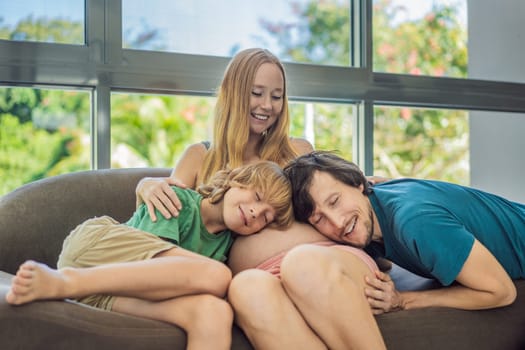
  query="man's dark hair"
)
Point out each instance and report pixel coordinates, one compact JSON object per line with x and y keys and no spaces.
{"x":300,"y":171}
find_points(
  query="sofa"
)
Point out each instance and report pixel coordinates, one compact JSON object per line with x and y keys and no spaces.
{"x":35,"y":218}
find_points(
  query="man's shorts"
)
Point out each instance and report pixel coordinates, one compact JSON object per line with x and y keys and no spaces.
{"x":102,"y":240}
{"x":273,"y":264}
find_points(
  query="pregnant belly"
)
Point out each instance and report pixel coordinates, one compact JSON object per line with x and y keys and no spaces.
{"x":249,"y":251}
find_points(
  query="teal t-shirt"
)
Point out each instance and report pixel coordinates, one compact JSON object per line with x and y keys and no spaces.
{"x":187,"y":230}
{"x":429,"y":227}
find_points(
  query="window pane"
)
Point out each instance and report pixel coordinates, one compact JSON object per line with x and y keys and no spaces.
{"x":420,"y":37}
{"x":422,"y":143}
{"x":295,"y":30}
{"x":57,"y":21}
{"x":154,"y":130}
{"x":42,"y":133}
{"x":327,"y":126}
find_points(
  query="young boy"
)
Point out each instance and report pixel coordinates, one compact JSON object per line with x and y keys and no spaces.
{"x":166,"y":270}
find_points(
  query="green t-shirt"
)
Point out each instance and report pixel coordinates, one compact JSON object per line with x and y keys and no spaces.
{"x":187,"y":230}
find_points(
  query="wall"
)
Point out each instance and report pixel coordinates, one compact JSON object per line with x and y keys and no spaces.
{"x":497,"y":52}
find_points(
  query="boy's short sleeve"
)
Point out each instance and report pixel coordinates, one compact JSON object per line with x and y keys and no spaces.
{"x":166,"y":228}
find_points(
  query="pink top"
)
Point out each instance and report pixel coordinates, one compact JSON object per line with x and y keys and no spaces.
{"x":273,"y":264}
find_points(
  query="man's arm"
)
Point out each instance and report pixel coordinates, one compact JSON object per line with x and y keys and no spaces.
{"x":482,"y":284}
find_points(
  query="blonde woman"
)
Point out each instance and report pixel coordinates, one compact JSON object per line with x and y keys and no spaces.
{"x":251,"y":123}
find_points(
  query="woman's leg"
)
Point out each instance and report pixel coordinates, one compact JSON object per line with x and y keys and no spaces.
{"x":266,"y":314}
{"x":172,"y":273}
{"x":206,"y":319}
{"x":327,"y":286}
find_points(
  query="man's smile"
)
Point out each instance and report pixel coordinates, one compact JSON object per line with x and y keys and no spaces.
{"x":350,"y":227}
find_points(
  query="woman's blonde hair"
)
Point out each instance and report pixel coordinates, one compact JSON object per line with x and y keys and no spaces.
{"x":264,"y":176}
{"x":231,"y":127}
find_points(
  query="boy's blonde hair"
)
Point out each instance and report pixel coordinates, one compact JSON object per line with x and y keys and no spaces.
{"x":231,"y":126}
{"x":264,"y":176}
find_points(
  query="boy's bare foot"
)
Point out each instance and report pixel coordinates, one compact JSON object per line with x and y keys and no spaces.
{"x":36,"y":281}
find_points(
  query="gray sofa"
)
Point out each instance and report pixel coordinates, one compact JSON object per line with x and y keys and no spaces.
{"x":35,"y":218}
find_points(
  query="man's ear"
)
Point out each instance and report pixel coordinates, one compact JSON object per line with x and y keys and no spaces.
{"x":362,"y":188}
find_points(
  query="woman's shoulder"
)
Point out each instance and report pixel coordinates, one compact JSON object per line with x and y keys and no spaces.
{"x":190,"y":163}
{"x":195,"y":152}
{"x":302,"y":146}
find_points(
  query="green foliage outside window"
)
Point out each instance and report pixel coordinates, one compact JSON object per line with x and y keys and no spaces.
{"x":155,"y":130}
{"x":42,"y":133}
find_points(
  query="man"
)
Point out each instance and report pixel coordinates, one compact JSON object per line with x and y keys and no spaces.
{"x":471,"y":241}
{"x":435,"y":229}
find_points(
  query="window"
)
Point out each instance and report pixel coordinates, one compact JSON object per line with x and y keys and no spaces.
{"x":420,"y":37}
{"x":43,"y":132}
{"x":422,"y":143}
{"x":57,"y":21}
{"x":295,"y":30}
{"x":328,"y":126}
{"x":393,"y":94}
{"x":154,"y":130}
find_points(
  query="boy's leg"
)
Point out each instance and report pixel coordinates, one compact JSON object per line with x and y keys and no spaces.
{"x":327,"y":286}
{"x":206,"y":319}
{"x":170,"y":274}
{"x":266,"y":314}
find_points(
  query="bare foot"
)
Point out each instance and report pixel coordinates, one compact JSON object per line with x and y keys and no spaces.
{"x":36,"y":281}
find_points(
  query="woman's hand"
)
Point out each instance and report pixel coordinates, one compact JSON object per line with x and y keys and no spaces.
{"x":382,"y":294}
{"x":156,"y":193}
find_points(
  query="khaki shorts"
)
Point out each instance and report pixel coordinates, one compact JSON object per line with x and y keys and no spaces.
{"x":102,"y":240}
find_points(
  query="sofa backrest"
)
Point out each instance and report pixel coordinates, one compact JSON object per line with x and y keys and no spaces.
{"x":35,"y":218}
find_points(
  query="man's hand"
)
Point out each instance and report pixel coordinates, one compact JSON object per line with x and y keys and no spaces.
{"x":382,"y":294}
